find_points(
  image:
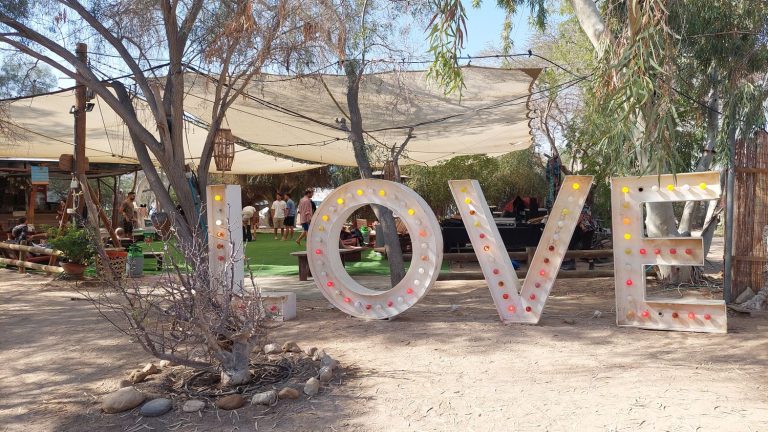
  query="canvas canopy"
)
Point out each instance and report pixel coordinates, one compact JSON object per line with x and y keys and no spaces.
{"x":44,"y":129}
{"x":297,"y":117}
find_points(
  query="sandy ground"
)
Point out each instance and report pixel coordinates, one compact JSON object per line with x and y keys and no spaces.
{"x":445,"y":365}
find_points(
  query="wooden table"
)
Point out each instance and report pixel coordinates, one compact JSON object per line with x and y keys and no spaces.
{"x":352,"y":255}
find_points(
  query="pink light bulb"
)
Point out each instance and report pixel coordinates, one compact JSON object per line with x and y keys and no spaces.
{"x":528,"y":309}
{"x":329,"y":283}
{"x":657,"y":251}
{"x":645,"y":314}
{"x":688,"y":251}
{"x":707,"y":317}
{"x":390,"y":303}
{"x":347,"y":300}
{"x":505,"y":296}
{"x":482,"y":236}
{"x":496,"y":271}
{"x":629,"y":282}
{"x":409,"y":291}
{"x":532,"y":297}
{"x":511,"y":308}
{"x":537,"y":285}
{"x":643,"y":251}
{"x":691,"y":315}
{"x":318,"y":252}
{"x":368,"y":307}
{"x":673,"y":251}
{"x":542,"y":272}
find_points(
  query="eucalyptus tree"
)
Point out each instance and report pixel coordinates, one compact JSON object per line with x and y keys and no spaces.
{"x":663,"y":66}
{"x":364,"y":37}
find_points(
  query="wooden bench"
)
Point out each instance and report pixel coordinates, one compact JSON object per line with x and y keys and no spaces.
{"x":351,"y":255}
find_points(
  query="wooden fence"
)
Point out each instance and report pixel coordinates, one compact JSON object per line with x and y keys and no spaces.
{"x":750,"y":214}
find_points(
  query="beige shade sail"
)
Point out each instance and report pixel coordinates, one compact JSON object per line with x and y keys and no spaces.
{"x":296,"y":117}
{"x":44,"y":128}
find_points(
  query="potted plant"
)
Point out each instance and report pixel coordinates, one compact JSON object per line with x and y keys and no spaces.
{"x":76,"y":247}
{"x":135,"y":264}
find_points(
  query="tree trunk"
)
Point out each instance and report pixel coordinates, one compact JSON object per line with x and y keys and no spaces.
{"x":235,"y":367}
{"x":705,"y":162}
{"x":387,"y":228}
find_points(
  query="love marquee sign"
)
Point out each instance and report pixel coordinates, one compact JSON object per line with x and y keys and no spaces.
{"x":524,"y":302}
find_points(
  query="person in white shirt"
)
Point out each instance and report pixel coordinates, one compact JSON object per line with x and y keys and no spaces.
{"x":248,"y":212}
{"x":278,"y":215}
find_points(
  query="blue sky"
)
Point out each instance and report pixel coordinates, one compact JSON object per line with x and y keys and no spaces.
{"x":484,"y":26}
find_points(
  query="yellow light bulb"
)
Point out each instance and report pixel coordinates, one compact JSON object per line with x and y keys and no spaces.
{"x":411,"y":212}
{"x":359,"y":191}
{"x":625,"y":205}
{"x":703,"y":186}
{"x":464,"y":189}
{"x":477,"y":223}
{"x":467,"y":200}
{"x":576,"y":186}
{"x":325,"y":218}
{"x":625,"y":189}
{"x":381,"y":192}
{"x":628,"y":251}
{"x":217,"y":197}
{"x":565,"y":212}
{"x":671,"y":187}
{"x":627,"y":236}
{"x":340,"y":201}
{"x":321,"y":229}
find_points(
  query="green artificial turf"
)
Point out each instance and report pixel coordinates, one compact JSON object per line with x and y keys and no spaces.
{"x":270,"y":257}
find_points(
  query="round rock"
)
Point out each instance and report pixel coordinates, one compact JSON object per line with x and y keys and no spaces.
{"x":312,"y":387}
{"x":122,"y":400}
{"x":288,"y":393}
{"x":193,"y":405}
{"x":231,"y":402}
{"x":291,"y":347}
{"x":156,"y":407}
{"x":326,"y":374}
{"x":272,"y":348}
{"x":265,"y":398}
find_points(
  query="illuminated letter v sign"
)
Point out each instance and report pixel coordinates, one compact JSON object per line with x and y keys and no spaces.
{"x":516,"y":305}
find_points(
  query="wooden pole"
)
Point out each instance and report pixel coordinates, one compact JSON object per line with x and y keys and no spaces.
{"x":31,"y":205}
{"x":35,"y":266}
{"x":80,"y":100}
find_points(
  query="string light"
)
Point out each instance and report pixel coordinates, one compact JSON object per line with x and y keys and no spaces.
{"x":670,"y":187}
{"x":359,"y":192}
{"x":411,"y":212}
{"x":217,"y":197}
{"x":576,"y":186}
{"x":627,"y":236}
{"x":625,"y":189}
{"x":703,"y":186}
{"x":325,"y":218}
{"x":340,"y":201}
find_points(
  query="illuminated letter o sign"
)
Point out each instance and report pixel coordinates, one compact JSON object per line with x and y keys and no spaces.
{"x":325,"y":262}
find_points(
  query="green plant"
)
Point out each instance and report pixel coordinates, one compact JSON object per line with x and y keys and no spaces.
{"x":74,"y":242}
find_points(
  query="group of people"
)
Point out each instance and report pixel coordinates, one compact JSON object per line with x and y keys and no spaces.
{"x":285,"y":214}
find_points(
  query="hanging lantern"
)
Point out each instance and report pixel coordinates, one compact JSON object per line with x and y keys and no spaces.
{"x":224,"y":150}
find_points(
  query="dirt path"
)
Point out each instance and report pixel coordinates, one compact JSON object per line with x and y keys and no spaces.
{"x":445,"y":365}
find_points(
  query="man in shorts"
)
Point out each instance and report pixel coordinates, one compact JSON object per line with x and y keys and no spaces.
{"x":290,"y":216}
{"x":305,"y":212}
{"x":278,"y":215}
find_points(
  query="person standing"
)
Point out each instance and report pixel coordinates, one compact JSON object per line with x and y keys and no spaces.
{"x":128,"y":212}
{"x":305,"y":211}
{"x":278,"y":215}
{"x":290,"y":216}
{"x":247,"y":213}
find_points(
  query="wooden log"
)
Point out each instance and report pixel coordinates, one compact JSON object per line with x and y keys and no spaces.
{"x":33,"y":266}
{"x":32,"y":249}
{"x":566,"y":274}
